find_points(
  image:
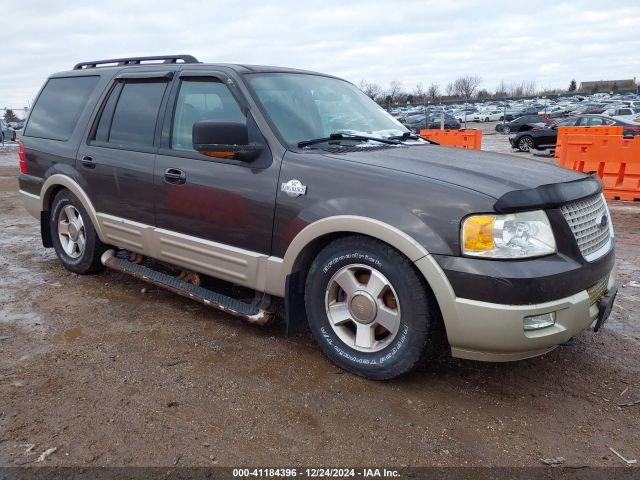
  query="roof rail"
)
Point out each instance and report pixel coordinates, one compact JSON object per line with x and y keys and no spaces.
{"x":136,"y":61}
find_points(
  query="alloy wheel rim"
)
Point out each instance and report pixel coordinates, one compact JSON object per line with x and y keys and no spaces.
{"x":526,"y":144}
{"x":71,"y":231}
{"x":363,"y":308}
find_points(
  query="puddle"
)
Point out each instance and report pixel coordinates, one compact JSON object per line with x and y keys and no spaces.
{"x":73,"y":334}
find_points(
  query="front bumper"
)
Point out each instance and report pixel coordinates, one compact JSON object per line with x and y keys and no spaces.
{"x":483,"y":303}
{"x":494,"y":332}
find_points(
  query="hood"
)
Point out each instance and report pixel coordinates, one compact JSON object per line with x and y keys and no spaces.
{"x":493,"y":174}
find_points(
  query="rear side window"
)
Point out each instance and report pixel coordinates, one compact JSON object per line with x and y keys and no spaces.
{"x":59,"y":106}
{"x":130,"y":114}
{"x":134,"y":119}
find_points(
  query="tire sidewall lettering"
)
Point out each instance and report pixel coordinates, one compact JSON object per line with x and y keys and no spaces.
{"x":382,"y":357}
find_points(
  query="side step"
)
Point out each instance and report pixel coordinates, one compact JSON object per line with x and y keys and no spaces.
{"x":249,"y":312}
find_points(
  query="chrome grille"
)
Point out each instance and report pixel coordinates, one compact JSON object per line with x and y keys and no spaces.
{"x":585,"y":217}
{"x":598,"y":290}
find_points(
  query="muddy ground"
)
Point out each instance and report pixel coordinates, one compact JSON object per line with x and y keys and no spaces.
{"x":109,"y":375}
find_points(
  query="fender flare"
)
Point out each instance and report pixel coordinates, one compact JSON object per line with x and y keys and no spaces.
{"x":67,"y":182}
{"x":414,"y":251}
{"x":351,"y":224}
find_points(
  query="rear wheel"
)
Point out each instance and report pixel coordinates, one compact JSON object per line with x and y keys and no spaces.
{"x":369,"y":310}
{"x":74,"y":238}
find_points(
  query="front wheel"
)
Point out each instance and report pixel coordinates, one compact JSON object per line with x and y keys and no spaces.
{"x":369,"y":310}
{"x":525,"y":144}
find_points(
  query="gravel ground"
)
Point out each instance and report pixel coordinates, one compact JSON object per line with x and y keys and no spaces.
{"x":109,"y":375}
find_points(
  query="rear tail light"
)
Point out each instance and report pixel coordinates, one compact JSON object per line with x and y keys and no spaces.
{"x":22,"y":155}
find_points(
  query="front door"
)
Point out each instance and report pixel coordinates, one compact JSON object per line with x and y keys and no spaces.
{"x":228,"y":202}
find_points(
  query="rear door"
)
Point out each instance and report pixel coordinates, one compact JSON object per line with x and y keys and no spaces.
{"x":116,"y":162}
{"x":226,"y":201}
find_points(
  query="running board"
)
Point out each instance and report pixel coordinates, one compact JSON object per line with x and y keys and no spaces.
{"x":249,"y":312}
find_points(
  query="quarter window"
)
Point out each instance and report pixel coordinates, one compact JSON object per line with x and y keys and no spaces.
{"x":59,"y":106}
{"x":202,"y":99}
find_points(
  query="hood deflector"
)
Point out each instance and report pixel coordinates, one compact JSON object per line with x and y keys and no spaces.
{"x":548,"y":196}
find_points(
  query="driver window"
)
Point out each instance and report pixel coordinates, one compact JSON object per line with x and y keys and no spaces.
{"x":202,"y":99}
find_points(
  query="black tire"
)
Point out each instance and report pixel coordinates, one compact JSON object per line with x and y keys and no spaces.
{"x":13,"y":138}
{"x":89,"y":260}
{"x":420,"y":335}
{"x":525,"y":143}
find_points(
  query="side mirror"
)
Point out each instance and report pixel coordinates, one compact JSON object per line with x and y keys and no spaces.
{"x":224,"y":140}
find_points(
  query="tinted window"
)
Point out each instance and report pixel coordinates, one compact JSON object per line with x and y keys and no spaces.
{"x":59,"y":106}
{"x":202,"y":100}
{"x":570,"y":122}
{"x":135,"y":116}
{"x":592,"y":121}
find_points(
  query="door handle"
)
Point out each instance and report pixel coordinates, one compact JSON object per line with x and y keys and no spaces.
{"x":175,"y":176}
{"x":88,"y":162}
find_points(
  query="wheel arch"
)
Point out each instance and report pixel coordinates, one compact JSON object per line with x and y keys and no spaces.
{"x":310,"y":240}
{"x":57,"y":182}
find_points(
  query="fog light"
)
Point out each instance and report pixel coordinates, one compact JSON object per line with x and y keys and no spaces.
{"x":536,"y":322}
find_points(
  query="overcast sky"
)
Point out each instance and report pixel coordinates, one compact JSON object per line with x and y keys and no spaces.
{"x":549,"y":42}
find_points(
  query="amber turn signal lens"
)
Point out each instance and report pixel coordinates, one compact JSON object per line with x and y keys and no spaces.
{"x":478,"y":233}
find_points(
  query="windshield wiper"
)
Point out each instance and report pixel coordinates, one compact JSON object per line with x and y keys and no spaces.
{"x":347,"y":136}
{"x":411,"y":136}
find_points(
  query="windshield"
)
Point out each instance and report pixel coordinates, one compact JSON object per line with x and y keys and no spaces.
{"x":304,"y":107}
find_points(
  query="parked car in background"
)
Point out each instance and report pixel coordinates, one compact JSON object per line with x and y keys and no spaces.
{"x":7,"y":134}
{"x":522,"y":123}
{"x":16,"y":125}
{"x":415,"y":123}
{"x":519,"y":112}
{"x":467,"y":117}
{"x":625,"y":114}
{"x":544,"y":138}
{"x":492,"y":115}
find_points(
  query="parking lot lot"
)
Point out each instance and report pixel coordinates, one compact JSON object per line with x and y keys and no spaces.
{"x":110,"y":371}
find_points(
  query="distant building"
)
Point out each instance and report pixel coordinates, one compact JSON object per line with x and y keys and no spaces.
{"x":607,"y":86}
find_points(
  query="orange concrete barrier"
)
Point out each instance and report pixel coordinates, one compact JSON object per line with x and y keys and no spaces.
{"x":564,"y":131}
{"x":615,"y":159}
{"x":455,"y":138}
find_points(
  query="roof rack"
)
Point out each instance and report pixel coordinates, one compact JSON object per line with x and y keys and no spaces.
{"x":136,"y":61}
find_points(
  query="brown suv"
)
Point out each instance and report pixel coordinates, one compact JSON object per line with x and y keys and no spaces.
{"x":239,"y":185}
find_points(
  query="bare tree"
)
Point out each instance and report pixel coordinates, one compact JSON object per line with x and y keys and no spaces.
{"x":419,"y":95}
{"x":370,"y":89}
{"x":450,"y":90}
{"x":529,"y":88}
{"x":466,"y":87}
{"x":501,"y":90}
{"x":395,"y":93}
{"x":433,"y":92}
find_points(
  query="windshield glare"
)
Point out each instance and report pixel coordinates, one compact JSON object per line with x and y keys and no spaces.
{"x":304,"y":107}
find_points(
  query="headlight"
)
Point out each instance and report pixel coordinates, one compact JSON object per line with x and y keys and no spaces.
{"x":516,"y":235}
